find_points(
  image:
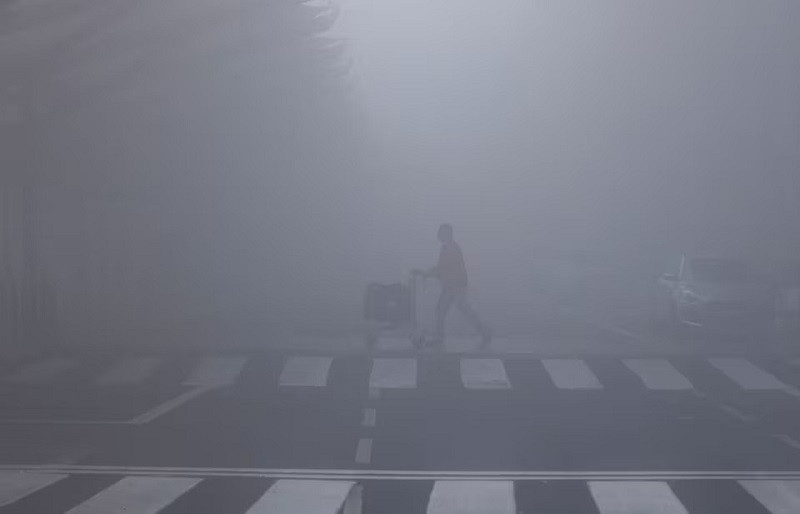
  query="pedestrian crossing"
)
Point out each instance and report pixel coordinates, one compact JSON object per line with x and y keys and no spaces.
{"x":306,"y":371}
{"x":169,"y":494}
{"x":309,"y":496}
{"x":571,"y":374}
{"x":636,"y":497}
{"x":484,"y":374}
{"x":393,"y":374}
{"x":658,"y":374}
{"x":779,"y":497}
{"x":473,"y":373}
{"x":143,"y":495}
{"x":472,"y":497}
{"x":747,"y":375}
{"x":17,"y":485}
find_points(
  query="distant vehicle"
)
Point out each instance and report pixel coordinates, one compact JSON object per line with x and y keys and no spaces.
{"x":713,"y":295}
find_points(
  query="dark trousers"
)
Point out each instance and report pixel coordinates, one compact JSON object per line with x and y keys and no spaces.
{"x":459,"y":297}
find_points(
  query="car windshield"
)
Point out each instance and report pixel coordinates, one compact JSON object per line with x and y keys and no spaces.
{"x":719,"y":271}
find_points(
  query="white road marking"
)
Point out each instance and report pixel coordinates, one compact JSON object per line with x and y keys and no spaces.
{"x":571,"y":374}
{"x":303,"y":496}
{"x":216,"y":372}
{"x":354,"y":504}
{"x":42,"y":372}
{"x":15,"y":485}
{"x":658,"y":374}
{"x":778,"y":496}
{"x":747,"y":375}
{"x":370,"y":416}
{"x":472,"y":497}
{"x":635,"y":497}
{"x":402,"y":474}
{"x":142,"y":495}
{"x":130,"y":372}
{"x":393,"y":374}
{"x":364,"y":451}
{"x":168,"y":406}
{"x":306,"y":371}
{"x":484,"y":374}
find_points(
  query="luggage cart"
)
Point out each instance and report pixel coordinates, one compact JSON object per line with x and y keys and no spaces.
{"x":394,"y":308}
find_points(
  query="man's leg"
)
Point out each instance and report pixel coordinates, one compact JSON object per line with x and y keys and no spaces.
{"x":446,"y":298}
{"x":463,"y":305}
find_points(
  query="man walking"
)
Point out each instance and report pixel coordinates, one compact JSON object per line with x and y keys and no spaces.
{"x":452,"y":274}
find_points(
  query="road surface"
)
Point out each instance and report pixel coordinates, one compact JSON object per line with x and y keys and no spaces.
{"x":606,"y":425}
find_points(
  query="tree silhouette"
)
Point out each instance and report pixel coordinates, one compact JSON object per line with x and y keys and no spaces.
{"x":161,"y":103}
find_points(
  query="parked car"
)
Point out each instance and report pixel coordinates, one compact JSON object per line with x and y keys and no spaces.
{"x":711,"y":294}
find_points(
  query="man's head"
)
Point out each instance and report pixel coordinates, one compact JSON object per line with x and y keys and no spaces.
{"x":445,"y":233}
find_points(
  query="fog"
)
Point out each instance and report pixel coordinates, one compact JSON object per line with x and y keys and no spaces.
{"x":261,"y":162}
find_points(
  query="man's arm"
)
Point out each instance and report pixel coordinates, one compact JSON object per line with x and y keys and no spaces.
{"x":434,"y":271}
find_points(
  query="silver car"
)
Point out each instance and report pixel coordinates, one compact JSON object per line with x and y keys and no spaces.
{"x":713,"y":295}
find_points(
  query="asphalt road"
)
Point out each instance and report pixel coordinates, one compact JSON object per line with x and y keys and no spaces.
{"x":557,"y":429}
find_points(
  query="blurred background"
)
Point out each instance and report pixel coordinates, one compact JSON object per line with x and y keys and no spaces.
{"x":191,"y":164}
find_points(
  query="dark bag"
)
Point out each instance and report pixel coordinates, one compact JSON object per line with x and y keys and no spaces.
{"x":388,"y":303}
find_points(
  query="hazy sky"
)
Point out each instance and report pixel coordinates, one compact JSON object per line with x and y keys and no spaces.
{"x":626,"y":128}
{"x":623,"y":127}
{"x":590,"y":114}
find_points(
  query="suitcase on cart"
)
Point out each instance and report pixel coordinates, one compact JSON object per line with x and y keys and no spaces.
{"x":392,"y":307}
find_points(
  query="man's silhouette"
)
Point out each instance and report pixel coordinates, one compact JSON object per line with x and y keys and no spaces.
{"x":452,"y":274}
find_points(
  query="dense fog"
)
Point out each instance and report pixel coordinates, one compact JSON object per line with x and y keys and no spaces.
{"x":259,"y":162}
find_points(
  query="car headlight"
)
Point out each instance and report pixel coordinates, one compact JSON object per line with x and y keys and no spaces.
{"x":690,"y":297}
